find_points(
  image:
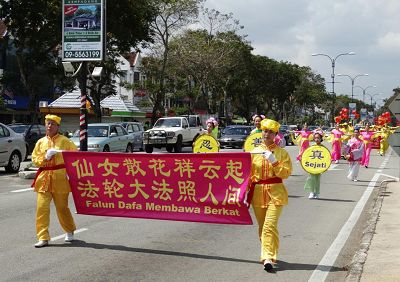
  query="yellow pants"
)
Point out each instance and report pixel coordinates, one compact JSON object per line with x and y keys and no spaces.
{"x":43,"y":213}
{"x":267,"y":219}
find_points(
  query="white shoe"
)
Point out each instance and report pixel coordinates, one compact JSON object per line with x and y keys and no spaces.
{"x":316,"y":196}
{"x":69,"y":237}
{"x":41,"y":244}
{"x":311,"y":196}
{"x":355,"y":180}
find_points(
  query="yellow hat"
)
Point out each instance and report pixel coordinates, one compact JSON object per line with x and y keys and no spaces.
{"x":270,"y":125}
{"x":55,"y":118}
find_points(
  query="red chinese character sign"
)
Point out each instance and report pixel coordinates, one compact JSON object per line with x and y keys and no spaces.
{"x":184,"y":187}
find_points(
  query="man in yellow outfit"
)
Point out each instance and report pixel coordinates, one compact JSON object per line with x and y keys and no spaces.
{"x":51,"y":181}
{"x":267,"y":194}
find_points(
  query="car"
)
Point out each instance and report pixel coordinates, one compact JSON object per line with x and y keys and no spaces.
{"x":105,"y":137}
{"x":31,"y":132}
{"x":234,"y":136}
{"x":135,"y":131}
{"x":12,"y":149}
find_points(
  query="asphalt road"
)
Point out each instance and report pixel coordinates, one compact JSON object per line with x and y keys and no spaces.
{"x":315,"y":234}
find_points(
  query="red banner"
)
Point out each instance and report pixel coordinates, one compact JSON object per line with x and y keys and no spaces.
{"x":184,"y":187}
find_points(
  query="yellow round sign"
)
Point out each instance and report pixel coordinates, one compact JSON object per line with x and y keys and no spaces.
{"x":205,"y":144}
{"x":252,"y":141}
{"x":316,"y":159}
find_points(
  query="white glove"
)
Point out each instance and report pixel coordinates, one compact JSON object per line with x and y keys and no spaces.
{"x":50,"y":153}
{"x":269,"y":156}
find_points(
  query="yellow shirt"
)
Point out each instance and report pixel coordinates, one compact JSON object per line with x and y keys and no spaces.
{"x":261,"y":169}
{"x":52,"y":180}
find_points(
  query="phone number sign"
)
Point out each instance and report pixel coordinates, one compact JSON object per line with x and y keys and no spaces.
{"x":83,"y":27}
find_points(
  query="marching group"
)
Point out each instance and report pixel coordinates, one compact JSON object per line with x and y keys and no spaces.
{"x":270,"y":165}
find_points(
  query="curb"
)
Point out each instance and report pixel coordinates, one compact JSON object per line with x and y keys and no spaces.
{"x":357,"y":264}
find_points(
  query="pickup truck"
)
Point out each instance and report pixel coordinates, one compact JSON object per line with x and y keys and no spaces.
{"x":173,"y":133}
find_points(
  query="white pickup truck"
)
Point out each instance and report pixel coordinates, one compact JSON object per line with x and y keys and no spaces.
{"x":173,"y":133}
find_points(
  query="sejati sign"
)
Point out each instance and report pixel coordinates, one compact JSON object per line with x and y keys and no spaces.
{"x":83,"y":26}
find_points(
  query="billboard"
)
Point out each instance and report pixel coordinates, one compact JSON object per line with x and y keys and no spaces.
{"x":82,"y":30}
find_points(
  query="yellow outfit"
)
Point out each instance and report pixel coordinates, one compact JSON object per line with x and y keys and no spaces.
{"x":268,"y":199}
{"x":52,"y":184}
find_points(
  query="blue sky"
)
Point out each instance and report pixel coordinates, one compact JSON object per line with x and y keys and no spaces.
{"x":292,"y":30}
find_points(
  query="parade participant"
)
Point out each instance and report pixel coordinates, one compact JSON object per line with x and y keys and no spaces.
{"x":336,"y":139}
{"x":367,"y":136}
{"x":267,"y":194}
{"x":257,"y":123}
{"x":51,"y":181}
{"x":312,"y":184}
{"x":212,"y":127}
{"x":302,"y":140}
{"x":385,"y":133}
{"x":354,"y":153}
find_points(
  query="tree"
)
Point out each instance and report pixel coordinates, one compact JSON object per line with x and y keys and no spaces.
{"x":35,"y":27}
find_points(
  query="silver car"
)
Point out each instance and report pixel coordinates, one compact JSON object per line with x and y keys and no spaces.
{"x":106,"y":137}
{"x":135,"y":131}
{"x":12,"y":149}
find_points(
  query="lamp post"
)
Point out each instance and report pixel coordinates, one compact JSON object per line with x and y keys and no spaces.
{"x":372,"y":96}
{"x":333,"y":63}
{"x":353,"y":78}
{"x":365,"y":89}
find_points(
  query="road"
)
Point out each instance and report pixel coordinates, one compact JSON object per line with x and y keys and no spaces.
{"x":315,"y":234}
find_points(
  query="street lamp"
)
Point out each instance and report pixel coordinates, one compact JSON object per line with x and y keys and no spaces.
{"x":372,"y":96}
{"x":352,"y":78}
{"x":365,"y":89}
{"x":333,"y":62}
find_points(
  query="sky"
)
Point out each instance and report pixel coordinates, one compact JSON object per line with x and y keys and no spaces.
{"x":292,"y":30}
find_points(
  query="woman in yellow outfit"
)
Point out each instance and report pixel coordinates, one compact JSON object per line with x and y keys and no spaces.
{"x":51,"y":181}
{"x":267,"y":194}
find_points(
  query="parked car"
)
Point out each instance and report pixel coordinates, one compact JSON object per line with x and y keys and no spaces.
{"x":234,"y":136}
{"x":135,"y":131}
{"x":12,"y":149}
{"x":106,"y":137}
{"x":31,"y":132}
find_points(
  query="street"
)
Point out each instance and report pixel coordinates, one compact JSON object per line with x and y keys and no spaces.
{"x":312,"y":234}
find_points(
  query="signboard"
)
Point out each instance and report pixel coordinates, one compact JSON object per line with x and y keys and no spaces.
{"x":363,"y":114}
{"x":316,"y":159}
{"x":83,"y":25}
{"x":394,"y":140}
{"x":182,"y":187}
{"x":352,"y":106}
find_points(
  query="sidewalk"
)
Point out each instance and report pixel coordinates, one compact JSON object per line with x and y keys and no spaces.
{"x":380,"y":247}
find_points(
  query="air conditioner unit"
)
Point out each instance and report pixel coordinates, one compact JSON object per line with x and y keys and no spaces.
{"x":43,"y":104}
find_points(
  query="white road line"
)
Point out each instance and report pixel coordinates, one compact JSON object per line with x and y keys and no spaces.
{"x":63,"y":236}
{"x":326,"y":263}
{"x":21,"y":190}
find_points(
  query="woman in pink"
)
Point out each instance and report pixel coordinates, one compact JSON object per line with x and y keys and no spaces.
{"x":303,"y":140}
{"x":354,"y":152}
{"x":367,"y":136}
{"x":336,"y":139}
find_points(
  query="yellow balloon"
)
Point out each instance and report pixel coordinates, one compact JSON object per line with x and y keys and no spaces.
{"x":205,"y":144}
{"x":316,"y":159}
{"x":252,"y":141}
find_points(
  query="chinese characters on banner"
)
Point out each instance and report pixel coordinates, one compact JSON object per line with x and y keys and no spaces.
{"x":184,"y":187}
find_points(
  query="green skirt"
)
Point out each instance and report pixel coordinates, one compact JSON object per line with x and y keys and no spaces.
{"x":312,"y":183}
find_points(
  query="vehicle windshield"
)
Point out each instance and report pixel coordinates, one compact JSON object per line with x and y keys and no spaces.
{"x":19,"y":128}
{"x":95,"y":131}
{"x":171,"y":122}
{"x":237,"y":131}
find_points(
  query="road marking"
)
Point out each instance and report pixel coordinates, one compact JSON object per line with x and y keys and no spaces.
{"x":63,"y":236}
{"x":21,"y":190}
{"x":324,"y":266}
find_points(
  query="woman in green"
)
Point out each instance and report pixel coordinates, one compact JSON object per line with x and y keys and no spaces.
{"x":312,"y":184}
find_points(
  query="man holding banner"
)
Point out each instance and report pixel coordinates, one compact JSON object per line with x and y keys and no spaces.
{"x":51,"y":181}
{"x":267,"y":193}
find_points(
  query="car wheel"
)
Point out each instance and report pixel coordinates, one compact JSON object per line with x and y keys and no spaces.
{"x":148,"y":149}
{"x":178,"y":145}
{"x":129,"y":148}
{"x":170,"y":148}
{"x":14,"y":162}
{"x":106,"y":148}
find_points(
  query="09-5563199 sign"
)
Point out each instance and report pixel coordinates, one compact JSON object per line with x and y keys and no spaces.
{"x":83,"y":35}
